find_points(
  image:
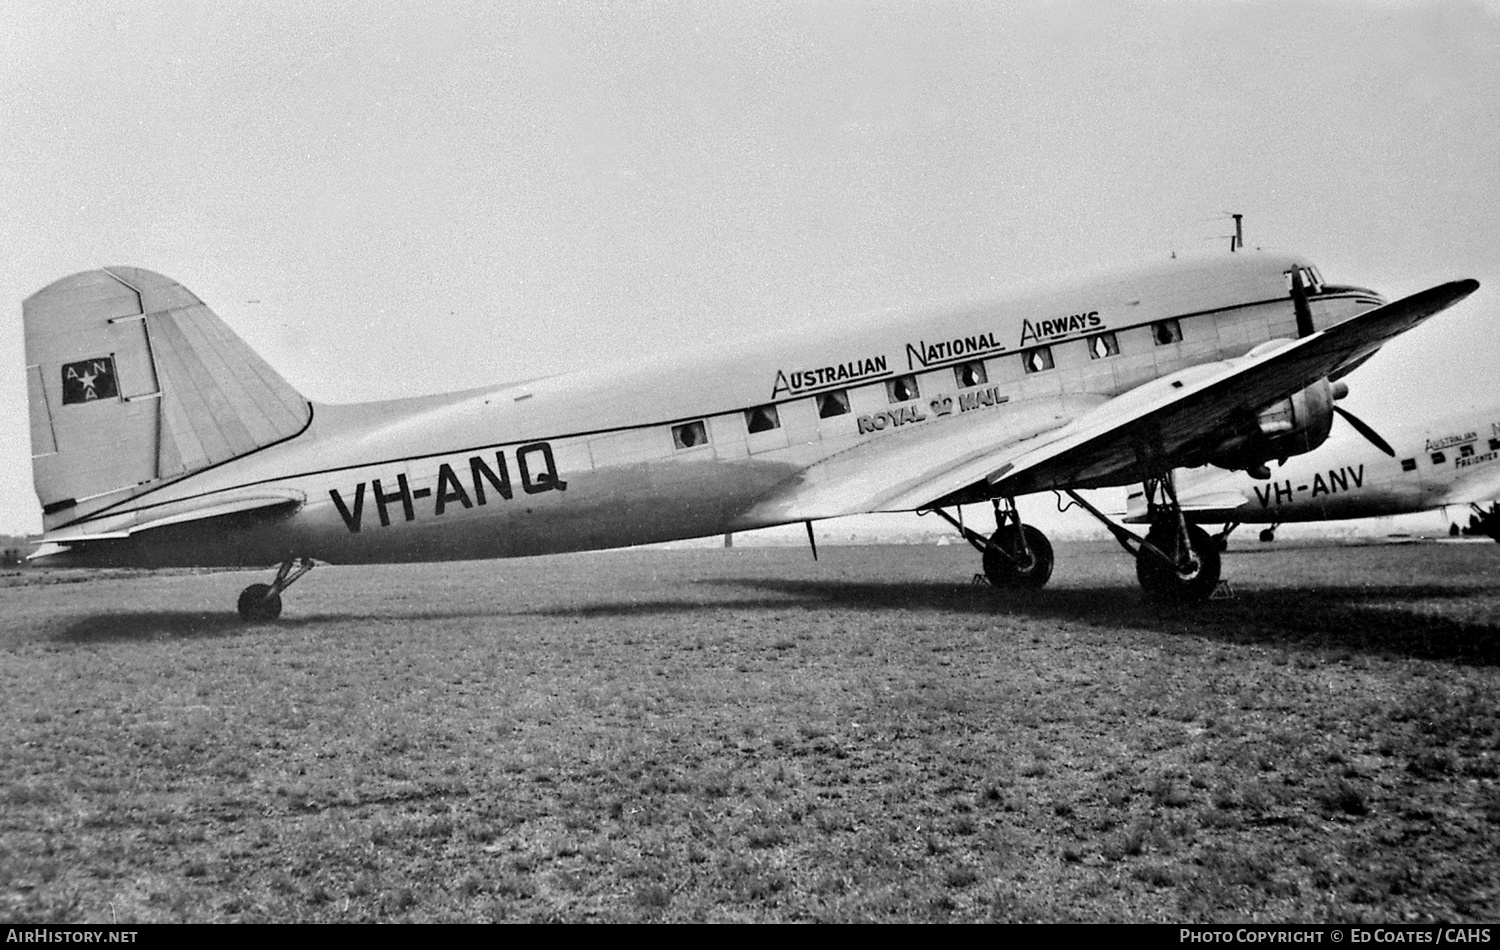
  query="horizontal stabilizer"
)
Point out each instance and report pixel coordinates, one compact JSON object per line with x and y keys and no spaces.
{"x":123,"y":526}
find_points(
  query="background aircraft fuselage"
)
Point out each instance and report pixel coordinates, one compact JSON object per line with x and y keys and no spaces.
{"x":1452,"y":461}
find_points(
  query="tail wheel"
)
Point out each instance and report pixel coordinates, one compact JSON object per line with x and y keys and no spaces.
{"x":1008,"y":566}
{"x":1163,"y":581}
{"x":255,"y":605}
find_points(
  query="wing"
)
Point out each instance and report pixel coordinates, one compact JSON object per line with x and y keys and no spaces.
{"x":1122,"y":444}
{"x":1084,"y":441}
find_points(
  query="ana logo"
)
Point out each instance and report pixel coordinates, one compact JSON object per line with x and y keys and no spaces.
{"x":89,"y":380}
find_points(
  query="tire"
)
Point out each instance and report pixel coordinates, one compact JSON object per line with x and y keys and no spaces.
{"x":255,"y":606}
{"x":1162,"y":582}
{"x":1004,"y":549}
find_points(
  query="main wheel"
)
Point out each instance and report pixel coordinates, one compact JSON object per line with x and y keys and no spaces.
{"x":1163,"y":581}
{"x":1267,"y":535}
{"x":255,"y":605}
{"x":1008,"y":567}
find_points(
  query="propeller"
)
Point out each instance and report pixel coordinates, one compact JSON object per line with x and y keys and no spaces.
{"x":1340,"y":390}
{"x":1364,"y":429}
{"x":1299,"y":305}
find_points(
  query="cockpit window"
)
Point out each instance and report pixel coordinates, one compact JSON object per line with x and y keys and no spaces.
{"x":1312,"y":281}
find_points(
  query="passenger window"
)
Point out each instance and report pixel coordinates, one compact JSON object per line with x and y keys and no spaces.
{"x":1495,"y":445}
{"x":832,"y":404}
{"x":902,"y":388}
{"x":1103,"y":346}
{"x":689,"y":434}
{"x":1438,"y":458}
{"x":1408,"y":465}
{"x":1465,"y":451}
{"x":762,"y":419}
{"x":1166,"y":331}
{"x":1037,"y":359}
{"x":970,"y":375}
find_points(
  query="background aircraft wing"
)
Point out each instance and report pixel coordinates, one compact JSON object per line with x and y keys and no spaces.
{"x":1080,"y":441}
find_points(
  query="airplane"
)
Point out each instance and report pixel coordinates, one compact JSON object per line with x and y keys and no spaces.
{"x":1357,"y":473}
{"x":160,"y":439}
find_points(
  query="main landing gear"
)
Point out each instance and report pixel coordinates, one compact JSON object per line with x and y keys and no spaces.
{"x":1484,"y":522}
{"x":1017,"y":556}
{"x":260,"y":602}
{"x":1175,"y":561}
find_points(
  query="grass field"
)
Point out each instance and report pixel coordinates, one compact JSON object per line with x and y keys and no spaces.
{"x":747,"y":735}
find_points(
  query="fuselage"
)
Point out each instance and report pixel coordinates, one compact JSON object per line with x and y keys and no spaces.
{"x":689,"y":444}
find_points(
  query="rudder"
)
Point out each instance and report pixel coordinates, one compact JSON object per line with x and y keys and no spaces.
{"x":132,"y":381}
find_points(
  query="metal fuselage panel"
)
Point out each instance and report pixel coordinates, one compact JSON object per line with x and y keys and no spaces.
{"x":664,"y":449}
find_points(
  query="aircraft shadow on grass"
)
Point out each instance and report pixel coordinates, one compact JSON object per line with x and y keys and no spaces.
{"x":145,"y":625}
{"x":1383,"y":620}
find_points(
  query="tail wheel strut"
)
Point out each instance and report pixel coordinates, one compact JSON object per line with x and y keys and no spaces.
{"x":260,"y":602}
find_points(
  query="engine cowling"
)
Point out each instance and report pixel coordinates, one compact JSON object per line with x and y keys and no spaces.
{"x":1291,"y":426}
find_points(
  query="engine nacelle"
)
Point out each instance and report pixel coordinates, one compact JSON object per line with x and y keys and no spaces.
{"x":1291,"y":426}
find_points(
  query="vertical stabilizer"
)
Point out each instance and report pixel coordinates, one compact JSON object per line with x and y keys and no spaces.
{"x":133,"y":381}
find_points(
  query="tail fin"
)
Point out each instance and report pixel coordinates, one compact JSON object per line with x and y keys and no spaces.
{"x":133,"y":382}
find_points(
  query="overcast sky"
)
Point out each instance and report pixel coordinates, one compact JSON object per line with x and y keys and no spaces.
{"x":387,"y":199}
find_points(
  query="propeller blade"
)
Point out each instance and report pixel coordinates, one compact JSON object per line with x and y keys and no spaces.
{"x":1299,"y":305}
{"x":1363,"y":429}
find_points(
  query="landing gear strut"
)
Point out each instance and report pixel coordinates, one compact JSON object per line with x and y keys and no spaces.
{"x":1017,"y":556}
{"x":1484,"y":522}
{"x":1175,"y":561}
{"x":1184,"y":567}
{"x":260,"y":602}
{"x":1221,"y":540}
